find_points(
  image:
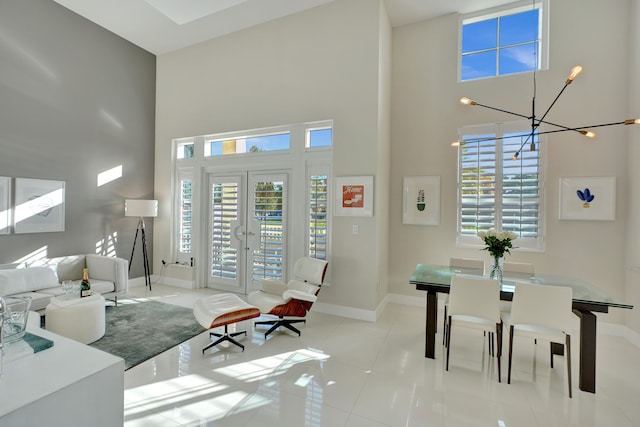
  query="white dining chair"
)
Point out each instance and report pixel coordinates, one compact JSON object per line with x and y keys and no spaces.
{"x":519,"y":268}
{"x":542,"y":312}
{"x":473,"y":263}
{"x":475,"y":303}
{"x":476,"y":264}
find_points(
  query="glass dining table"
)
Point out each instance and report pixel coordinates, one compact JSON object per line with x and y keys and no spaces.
{"x":587,"y":300}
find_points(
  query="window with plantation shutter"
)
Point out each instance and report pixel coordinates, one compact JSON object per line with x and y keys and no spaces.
{"x":184,"y":215}
{"x":224,"y":201}
{"x":268,"y":198}
{"x":318,"y":216}
{"x":497,"y":189}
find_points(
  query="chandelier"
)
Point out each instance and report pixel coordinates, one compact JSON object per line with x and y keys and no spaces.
{"x":529,"y":137}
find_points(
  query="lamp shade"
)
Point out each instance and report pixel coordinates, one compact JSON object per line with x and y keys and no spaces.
{"x":140,"y":208}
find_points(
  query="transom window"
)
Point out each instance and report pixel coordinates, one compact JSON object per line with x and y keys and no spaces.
{"x":319,"y":137}
{"x":185,"y":149}
{"x":507,"y":40}
{"x":497,"y":190}
{"x":252,"y":144}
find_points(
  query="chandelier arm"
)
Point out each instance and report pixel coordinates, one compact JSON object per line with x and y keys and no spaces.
{"x":501,"y":110}
{"x":530,"y":134}
{"x":537,"y":121}
{"x":552,"y":104}
{"x":597,"y":126}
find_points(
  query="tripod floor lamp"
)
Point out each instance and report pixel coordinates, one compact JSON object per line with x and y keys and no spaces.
{"x":140,"y":209}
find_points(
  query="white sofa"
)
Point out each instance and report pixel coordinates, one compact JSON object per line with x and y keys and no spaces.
{"x":42,"y":279}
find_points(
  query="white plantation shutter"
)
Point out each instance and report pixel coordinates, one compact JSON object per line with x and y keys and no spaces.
{"x":520,"y":189}
{"x":478,"y":186}
{"x":318,"y":216}
{"x":496,"y":191}
{"x":224,"y":256}
{"x":183,"y":226}
{"x":185,"y":217}
{"x":268,"y":200}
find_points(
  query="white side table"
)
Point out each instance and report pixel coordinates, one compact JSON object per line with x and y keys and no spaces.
{"x":81,"y":319}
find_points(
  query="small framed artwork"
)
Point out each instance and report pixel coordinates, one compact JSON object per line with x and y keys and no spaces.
{"x":354,"y":196}
{"x":39,"y":205}
{"x":588,"y":198}
{"x":5,"y":205}
{"x":421,"y":200}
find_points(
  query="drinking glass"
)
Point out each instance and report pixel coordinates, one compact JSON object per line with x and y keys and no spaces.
{"x":67,"y":286}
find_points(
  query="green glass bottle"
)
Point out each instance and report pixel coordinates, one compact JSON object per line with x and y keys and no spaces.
{"x":85,"y":286}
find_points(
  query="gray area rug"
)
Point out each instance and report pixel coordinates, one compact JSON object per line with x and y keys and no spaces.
{"x":137,"y":331}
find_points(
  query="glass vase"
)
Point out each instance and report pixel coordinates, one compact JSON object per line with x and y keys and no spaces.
{"x":496,"y":268}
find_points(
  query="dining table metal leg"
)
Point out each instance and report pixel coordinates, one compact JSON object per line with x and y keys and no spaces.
{"x":587,"y":372}
{"x":432,"y":320}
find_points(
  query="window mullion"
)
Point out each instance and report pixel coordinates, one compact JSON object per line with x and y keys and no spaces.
{"x":498,"y":47}
{"x":499,"y":178}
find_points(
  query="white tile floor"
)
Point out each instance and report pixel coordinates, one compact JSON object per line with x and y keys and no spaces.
{"x":344,"y":372}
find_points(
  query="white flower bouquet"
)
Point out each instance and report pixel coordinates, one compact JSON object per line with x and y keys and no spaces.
{"x":497,"y":243}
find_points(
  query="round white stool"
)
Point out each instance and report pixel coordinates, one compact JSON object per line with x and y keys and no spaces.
{"x":81,"y":319}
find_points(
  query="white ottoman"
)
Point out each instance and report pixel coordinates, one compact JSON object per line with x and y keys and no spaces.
{"x":222,"y":310}
{"x":81,"y":319}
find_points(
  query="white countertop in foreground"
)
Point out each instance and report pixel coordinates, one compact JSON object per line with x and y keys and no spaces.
{"x":68,"y":364}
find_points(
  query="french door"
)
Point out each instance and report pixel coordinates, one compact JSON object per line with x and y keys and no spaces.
{"x":247,"y":229}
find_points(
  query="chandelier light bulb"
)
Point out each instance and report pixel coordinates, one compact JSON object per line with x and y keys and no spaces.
{"x":466,"y":101}
{"x":515,"y":155}
{"x":457,"y":143}
{"x":632,"y":122}
{"x":574,"y":73}
{"x":588,"y":134}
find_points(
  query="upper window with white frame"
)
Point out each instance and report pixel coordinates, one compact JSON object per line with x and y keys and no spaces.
{"x":319,"y":137}
{"x":497,"y":189}
{"x":185,"y":148}
{"x":279,"y":141}
{"x":505,"y":40}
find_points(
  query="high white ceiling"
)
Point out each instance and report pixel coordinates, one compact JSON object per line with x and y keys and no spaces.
{"x":161,"y":26}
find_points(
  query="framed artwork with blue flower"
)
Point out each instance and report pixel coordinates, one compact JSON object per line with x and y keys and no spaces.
{"x":588,"y":198}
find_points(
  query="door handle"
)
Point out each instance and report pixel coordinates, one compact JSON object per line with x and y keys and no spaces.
{"x":239,"y":232}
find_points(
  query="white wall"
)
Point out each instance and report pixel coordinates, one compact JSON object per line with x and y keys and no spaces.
{"x":633,"y":158}
{"x":384,"y":155}
{"x":315,"y":65}
{"x":426,"y":115}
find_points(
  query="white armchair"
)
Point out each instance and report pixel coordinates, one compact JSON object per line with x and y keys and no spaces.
{"x":290,"y":302}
